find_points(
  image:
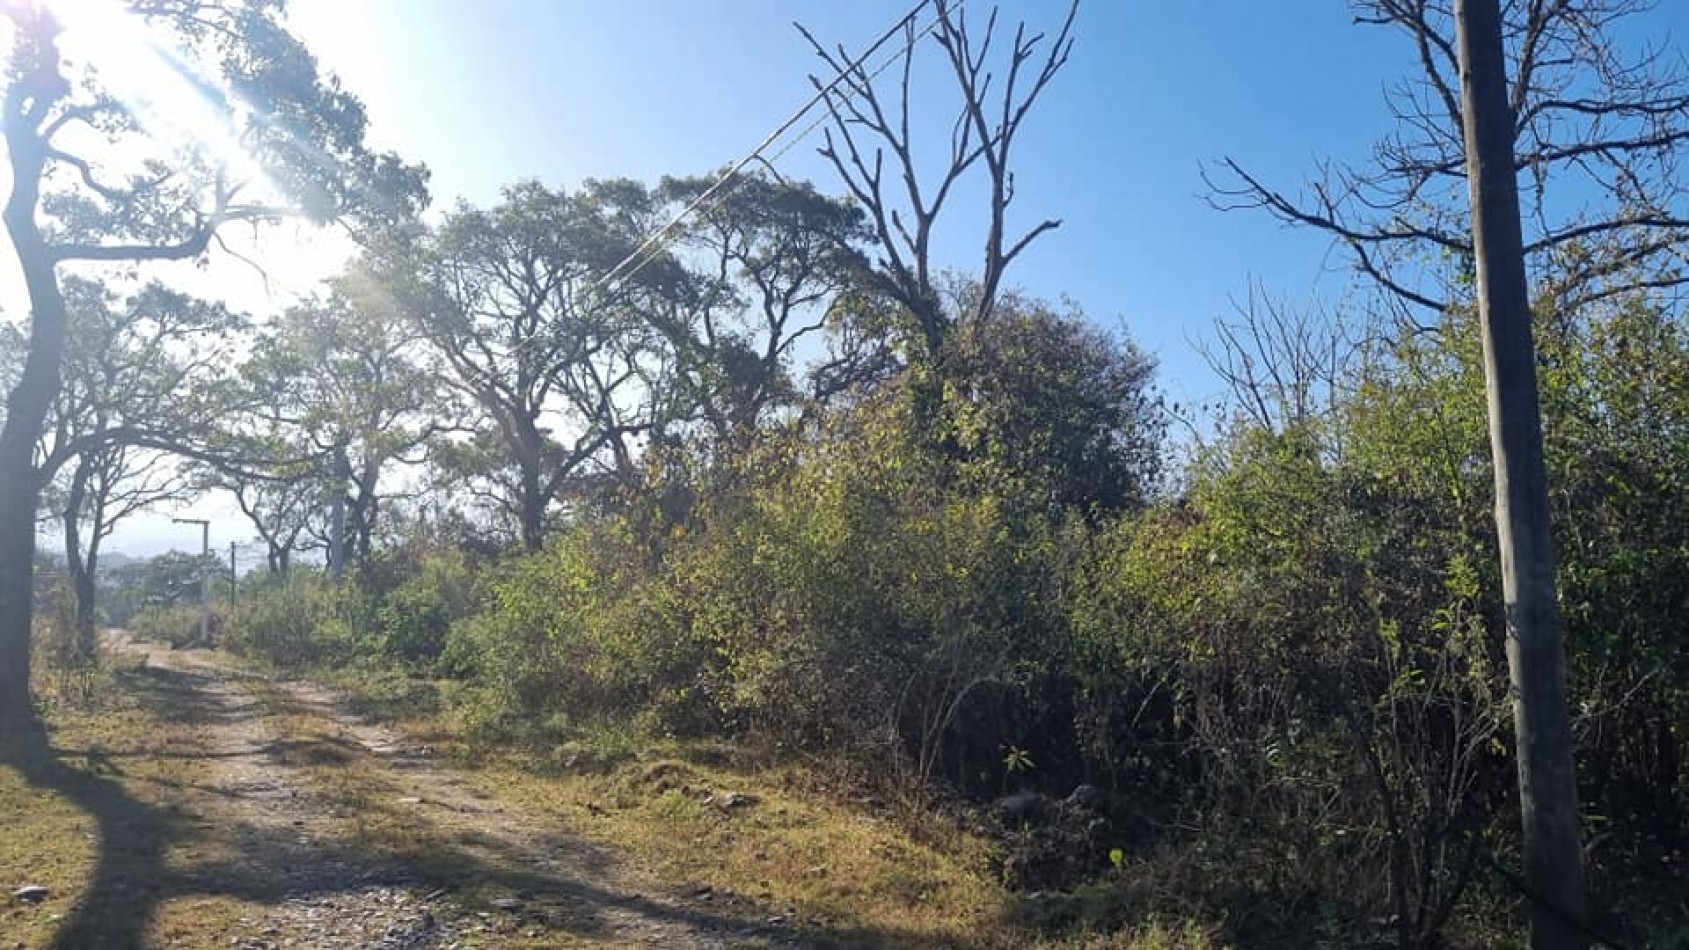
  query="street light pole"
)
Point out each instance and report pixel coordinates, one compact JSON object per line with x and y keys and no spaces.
{"x":204,"y":576}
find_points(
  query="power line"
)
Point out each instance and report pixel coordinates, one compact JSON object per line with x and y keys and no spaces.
{"x":651,"y":247}
{"x":955,"y":6}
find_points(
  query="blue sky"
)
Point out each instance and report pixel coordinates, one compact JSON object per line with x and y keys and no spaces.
{"x":487,"y":93}
{"x":493,"y":91}
{"x":562,"y":90}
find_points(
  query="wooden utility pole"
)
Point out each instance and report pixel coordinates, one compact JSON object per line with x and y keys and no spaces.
{"x":1536,"y":657}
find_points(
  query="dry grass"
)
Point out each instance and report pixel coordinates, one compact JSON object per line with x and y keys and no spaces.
{"x":841,"y":876}
{"x":105,"y":819}
{"x":135,"y":802}
{"x":847,"y":873}
{"x":838,"y":871}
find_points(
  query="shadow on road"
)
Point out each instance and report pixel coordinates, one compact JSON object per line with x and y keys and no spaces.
{"x":267,"y":862}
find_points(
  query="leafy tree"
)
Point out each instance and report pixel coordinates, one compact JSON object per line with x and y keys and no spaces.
{"x":510,"y":302}
{"x":1046,"y":407}
{"x":169,"y":580}
{"x":124,"y":406}
{"x":137,"y":377}
{"x":763,"y":264}
{"x":105,"y":487}
{"x":345,"y":395}
{"x":282,"y":506}
{"x":90,"y":182}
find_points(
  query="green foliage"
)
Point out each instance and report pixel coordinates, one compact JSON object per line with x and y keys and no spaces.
{"x":864,"y":589}
{"x":295,"y":620}
{"x":164,"y":582}
{"x":413,"y":620}
{"x":1616,"y":410}
{"x":1307,"y":648}
{"x":572,"y":635}
{"x":176,"y":626}
{"x":855,"y":603}
{"x":1311,"y":636}
{"x":1045,"y":407}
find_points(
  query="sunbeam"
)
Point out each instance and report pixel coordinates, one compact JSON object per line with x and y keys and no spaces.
{"x":181,"y":108}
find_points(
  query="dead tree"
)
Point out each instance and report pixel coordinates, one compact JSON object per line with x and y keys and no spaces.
{"x":870,"y":129}
{"x":1283,"y":367}
{"x":1588,"y":118}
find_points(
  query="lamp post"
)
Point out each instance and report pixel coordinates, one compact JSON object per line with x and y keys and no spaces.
{"x":204,"y":581}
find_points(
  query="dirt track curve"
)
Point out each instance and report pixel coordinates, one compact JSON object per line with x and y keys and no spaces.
{"x":490,"y":875}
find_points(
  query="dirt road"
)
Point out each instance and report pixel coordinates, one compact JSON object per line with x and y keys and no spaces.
{"x":329,"y":832}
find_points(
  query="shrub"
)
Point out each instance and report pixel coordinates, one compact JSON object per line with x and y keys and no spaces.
{"x":296,"y":620}
{"x":412,"y":622}
{"x":177,"y":626}
{"x":576,"y":634}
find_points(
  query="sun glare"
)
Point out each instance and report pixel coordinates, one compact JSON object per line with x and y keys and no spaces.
{"x":171,"y":98}
{"x":185,"y":113}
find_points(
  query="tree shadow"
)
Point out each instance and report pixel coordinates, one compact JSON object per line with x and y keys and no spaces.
{"x":273,"y":863}
{"x":122,"y":893}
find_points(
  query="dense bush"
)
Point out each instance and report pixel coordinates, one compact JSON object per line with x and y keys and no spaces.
{"x":294,"y":619}
{"x":576,"y":634}
{"x":1292,"y":676}
{"x":1308,"y":647}
{"x":176,"y":626}
{"x":856,"y":603}
{"x":413,"y":620}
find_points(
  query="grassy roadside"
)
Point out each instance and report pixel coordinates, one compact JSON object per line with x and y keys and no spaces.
{"x":690,"y":825}
{"x":112,"y":822}
{"x":699,"y":822}
{"x":46,"y":840}
{"x":128,"y":828}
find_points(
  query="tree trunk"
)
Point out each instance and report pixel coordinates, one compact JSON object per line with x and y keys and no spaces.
{"x":531,"y":498}
{"x":361,"y":512}
{"x":80,"y":568}
{"x":17,"y":557}
{"x":1535,"y":654}
{"x":84,"y":587}
{"x":337,"y":519}
{"x":532,"y":514}
{"x":26,"y":407}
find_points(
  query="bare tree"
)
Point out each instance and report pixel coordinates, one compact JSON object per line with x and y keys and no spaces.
{"x":1597,"y":136}
{"x":1283,"y":366}
{"x":871,"y":128}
